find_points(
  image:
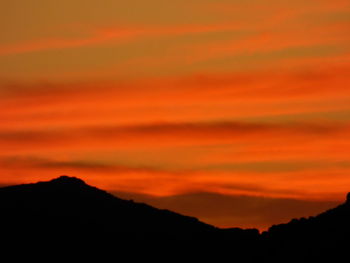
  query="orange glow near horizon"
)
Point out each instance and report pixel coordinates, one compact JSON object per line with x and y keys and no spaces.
{"x":218,"y":100}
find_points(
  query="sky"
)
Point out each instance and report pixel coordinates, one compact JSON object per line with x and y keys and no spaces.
{"x":236,"y":112}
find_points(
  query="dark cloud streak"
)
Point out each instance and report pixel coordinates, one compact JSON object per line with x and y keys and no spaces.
{"x":233,"y":211}
{"x":172,"y":129}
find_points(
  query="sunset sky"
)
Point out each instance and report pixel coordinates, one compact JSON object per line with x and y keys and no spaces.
{"x":236,"y":112}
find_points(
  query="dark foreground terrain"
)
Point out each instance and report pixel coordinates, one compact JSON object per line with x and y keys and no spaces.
{"x":66,"y":215}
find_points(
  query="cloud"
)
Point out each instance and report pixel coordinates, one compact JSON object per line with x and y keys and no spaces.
{"x":163,"y":135}
{"x":211,"y":37}
{"x":235,"y":211}
{"x":195,"y":98}
{"x":224,"y":210}
{"x":31,"y":162}
{"x":112,"y":35}
{"x":27,"y":169}
{"x":313,"y":184}
{"x":278,"y":134}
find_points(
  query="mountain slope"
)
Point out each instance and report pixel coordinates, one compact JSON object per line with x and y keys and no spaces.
{"x":68,"y":211}
{"x":69,"y":202}
{"x":319,"y":238}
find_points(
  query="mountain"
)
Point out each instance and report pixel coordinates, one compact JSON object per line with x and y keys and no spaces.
{"x":322,"y":238}
{"x":67,"y":213}
{"x":72,"y":203}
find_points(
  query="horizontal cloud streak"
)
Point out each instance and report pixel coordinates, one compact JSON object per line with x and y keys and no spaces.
{"x":231,"y":210}
{"x":171,"y":134}
{"x":299,"y":185}
{"x":112,"y":35}
{"x":197,"y":98}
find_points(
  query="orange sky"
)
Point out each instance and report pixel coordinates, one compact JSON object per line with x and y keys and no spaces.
{"x":202,"y":103}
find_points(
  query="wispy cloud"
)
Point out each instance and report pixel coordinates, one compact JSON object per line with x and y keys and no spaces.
{"x":112,"y":35}
{"x":310,"y":185}
{"x":197,"y":98}
{"x":233,"y":210}
{"x":172,"y":134}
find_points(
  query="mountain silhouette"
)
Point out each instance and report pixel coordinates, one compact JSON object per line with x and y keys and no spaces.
{"x":68,"y":211}
{"x":321,"y":238}
{"x":73,"y":203}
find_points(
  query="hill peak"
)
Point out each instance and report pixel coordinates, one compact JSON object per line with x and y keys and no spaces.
{"x":64,"y":179}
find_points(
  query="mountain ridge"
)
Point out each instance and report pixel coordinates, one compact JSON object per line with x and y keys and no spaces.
{"x":71,"y":187}
{"x":66,"y":209}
